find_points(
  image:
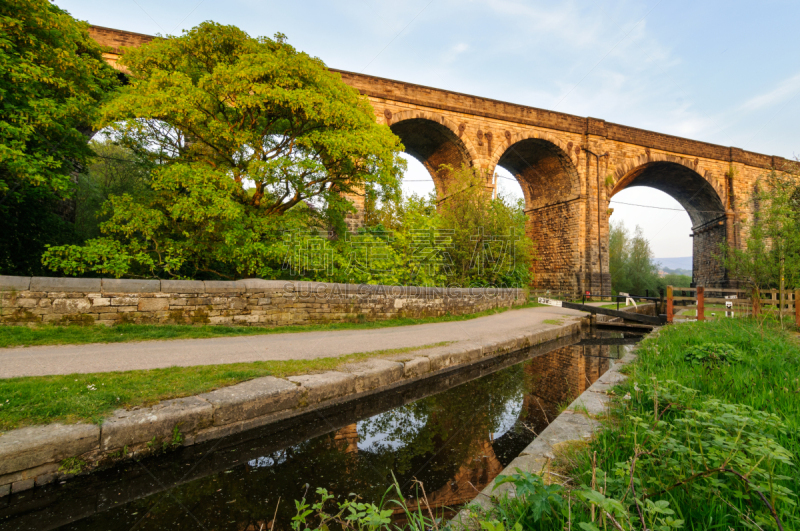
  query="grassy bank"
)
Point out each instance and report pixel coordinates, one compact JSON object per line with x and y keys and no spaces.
{"x":91,"y":397}
{"x":704,"y":435}
{"x":23,"y":336}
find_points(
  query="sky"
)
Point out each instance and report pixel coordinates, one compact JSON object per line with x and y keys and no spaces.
{"x":722,"y":72}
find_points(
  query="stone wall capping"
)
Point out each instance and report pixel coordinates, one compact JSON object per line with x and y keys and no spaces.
{"x":66,"y":284}
{"x":27,"y":448}
{"x":11,"y":283}
{"x":183,"y":286}
{"x":225,"y":286}
{"x":129,"y":285}
{"x":257,"y":285}
{"x":138,"y":426}
{"x":254,"y":398}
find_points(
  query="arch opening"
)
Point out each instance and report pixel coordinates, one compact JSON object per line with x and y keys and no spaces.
{"x":703,"y":205}
{"x":549,"y":182}
{"x":432,"y":144}
{"x":416,"y":179}
{"x":686,"y":186}
{"x":545,"y":173}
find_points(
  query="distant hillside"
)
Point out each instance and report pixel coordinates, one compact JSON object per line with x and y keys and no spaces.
{"x":681,"y":262}
{"x":677,"y":271}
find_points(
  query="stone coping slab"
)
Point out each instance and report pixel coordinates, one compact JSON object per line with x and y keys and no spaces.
{"x":34,"y":446}
{"x":28,"y":455}
{"x":300,"y":288}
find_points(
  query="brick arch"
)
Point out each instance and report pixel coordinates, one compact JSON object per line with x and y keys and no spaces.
{"x":694,"y":187}
{"x":512,"y":138}
{"x":439,"y":119}
{"x":433,"y":139}
{"x":547,"y":181}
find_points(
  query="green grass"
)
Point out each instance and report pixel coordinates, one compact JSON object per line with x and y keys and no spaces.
{"x":23,"y":336}
{"x":768,"y":380}
{"x":91,"y":397}
{"x":553,"y":321}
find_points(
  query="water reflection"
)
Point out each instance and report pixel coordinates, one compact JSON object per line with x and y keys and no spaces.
{"x":454,"y":433}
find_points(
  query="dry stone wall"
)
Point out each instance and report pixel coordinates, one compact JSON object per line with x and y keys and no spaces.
{"x":37,"y":300}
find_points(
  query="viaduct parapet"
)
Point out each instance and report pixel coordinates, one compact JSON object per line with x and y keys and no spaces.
{"x":569,"y":167}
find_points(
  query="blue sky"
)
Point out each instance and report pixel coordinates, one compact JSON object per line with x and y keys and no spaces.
{"x":722,"y":72}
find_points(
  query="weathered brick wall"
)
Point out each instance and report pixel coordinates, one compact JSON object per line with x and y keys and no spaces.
{"x":557,"y":265}
{"x":26,"y":300}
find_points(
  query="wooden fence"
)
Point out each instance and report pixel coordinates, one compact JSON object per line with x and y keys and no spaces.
{"x":735,"y":301}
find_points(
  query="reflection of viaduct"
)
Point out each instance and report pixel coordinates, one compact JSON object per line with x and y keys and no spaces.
{"x":569,"y":167}
{"x":555,"y":378}
{"x":479,"y":469}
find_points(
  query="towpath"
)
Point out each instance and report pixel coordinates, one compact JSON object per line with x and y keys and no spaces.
{"x":107,"y":357}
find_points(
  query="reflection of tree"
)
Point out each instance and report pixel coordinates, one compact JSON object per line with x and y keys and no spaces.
{"x":431,"y":438}
{"x":444,"y":440}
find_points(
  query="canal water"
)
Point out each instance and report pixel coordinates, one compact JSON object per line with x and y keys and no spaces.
{"x":453,"y":433}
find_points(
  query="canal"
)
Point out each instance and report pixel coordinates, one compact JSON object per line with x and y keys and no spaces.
{"x":453,"y":433}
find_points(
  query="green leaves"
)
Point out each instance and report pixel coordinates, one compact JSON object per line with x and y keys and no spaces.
{"x":713,"y":353}
{"x":256,"y":110}
{"x":52,"y":79}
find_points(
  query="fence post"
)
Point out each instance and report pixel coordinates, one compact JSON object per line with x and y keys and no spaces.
{"x":669,"y":304}
{"x":797,"y":307}
{"x":701,"y":303}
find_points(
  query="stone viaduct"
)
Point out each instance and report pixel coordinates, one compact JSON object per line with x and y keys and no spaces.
{"x":569,"y":168}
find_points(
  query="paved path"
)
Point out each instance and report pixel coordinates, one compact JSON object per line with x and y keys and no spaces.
{"x":107,"y":357}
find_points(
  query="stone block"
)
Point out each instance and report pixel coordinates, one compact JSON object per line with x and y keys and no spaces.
{"x":9,"y":283}
{"x":256,"y":285}
{"x":130,"y":285}
{"x":225,"y":286}
{"x":183,"y":286}
{"x":71,"y":305}
{"x":45,"y":479}
{"x":416,"y":367}
{"x":153,"y":305}
{"x":37,"y":445}
{"x":63,"y":284}
{"x":26,"y":303}
{"x":251,"y":399}
{"x":28,"y":473}
{"x":5,"y":490}
{"x":442,"y":358}
{"x":374,"y":373}
{"x":129,"y":427}
{"x":101,"y":301}
{"x":501,"y":347}
{"x":326,"y":386}
{"x":124,"y":301}
{"x":19,"y":486}
{"x":468,"y":353}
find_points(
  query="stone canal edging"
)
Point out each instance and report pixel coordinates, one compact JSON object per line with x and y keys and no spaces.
{"x":576,"y":424}
{"x":39,"y":455}
{"x":38,"y":300}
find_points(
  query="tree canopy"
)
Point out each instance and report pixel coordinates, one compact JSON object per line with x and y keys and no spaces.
{"x":246,"y":138}
{"x":52,"y":78}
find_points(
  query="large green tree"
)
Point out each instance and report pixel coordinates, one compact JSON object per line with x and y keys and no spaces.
{"x":248,"y":137}
{"x":52,"y":77}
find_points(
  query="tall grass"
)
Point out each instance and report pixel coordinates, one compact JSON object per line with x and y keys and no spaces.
{"x":651,"y":448}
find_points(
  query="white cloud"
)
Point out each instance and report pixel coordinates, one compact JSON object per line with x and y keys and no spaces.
{"x":779,"y":94}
